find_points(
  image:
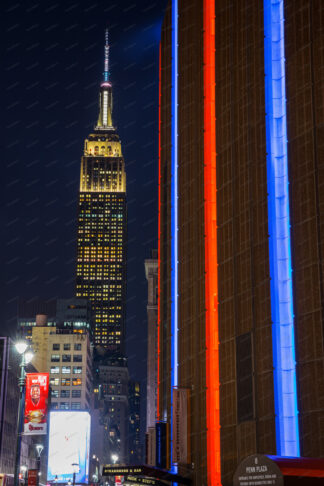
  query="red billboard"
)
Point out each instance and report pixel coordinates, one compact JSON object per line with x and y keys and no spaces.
{"x":36,"y":403}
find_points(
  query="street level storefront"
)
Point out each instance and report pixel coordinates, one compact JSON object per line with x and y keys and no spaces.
{"x":262,"y":470}
{"x":142,"y":473}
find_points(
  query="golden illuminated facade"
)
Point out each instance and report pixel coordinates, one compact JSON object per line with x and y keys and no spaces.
{"x":101,"y":254}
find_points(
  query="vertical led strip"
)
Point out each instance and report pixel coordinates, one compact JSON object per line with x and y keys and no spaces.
{"x":159,"y":258}
{"x":283,"y":340}
{"x":211,"y":278}
{"x":174,"y":207}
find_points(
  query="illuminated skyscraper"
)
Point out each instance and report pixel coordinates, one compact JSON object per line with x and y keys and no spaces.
{"x":101,"y":253}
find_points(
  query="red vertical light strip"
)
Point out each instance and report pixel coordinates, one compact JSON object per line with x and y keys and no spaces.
{"x":211,"y":277}
{"x":158,"y":415}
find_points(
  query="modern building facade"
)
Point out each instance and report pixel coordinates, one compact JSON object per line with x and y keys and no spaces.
{"x":151,"y":274}
{"x":71,"y":314}
{"x":29,"y":309}
{"x":102,"y":219}
{"x":240,"y":310}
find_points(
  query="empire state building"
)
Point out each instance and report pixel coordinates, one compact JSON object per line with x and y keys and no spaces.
{"x":102,"y":217}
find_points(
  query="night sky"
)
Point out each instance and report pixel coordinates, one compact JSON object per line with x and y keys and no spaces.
{"x":52,"y":63}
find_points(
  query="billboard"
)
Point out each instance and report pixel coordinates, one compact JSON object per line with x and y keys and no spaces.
{"x":36,"y":403}
{"x":69,"y":444}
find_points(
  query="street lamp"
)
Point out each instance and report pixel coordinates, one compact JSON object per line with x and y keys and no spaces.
{"x":114,"y":458}
{"x":75,"y":468}
{"x":39,"y":449}
{"x":26,"y":357}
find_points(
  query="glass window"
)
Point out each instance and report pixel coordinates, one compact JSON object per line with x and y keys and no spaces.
{"x":66,"y":382}
{"x":66,"y":370}
{"x":56,"y":347}
{"x":55,"y":370}
{"x":65,"y":393}
{"x":77,"y":370}
{"x":54,"y":393}
{"x":77,"y":358}
{"x":54,"y":381}
{"x":76,"y":381}
{"x":76,"y":393}
{"x":67,"y":347}
{"x":66,"y":358}
{"x":77,"y":347}
{"x":76,"y":405}
{"x":55,"y":358}
{"x":54,"y":405}
{"x":64,"y":405}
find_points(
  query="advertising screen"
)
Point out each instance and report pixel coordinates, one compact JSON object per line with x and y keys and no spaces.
{"x":36,"y":403}
{"x":69,"y":445}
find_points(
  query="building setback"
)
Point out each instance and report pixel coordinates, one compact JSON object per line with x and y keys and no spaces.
{"x":240,"y":250}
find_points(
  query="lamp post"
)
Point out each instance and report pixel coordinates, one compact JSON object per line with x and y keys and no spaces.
{"x":39,"y":449}
{"x":24,"y":473}
{"x":26,"y":357}
{"x":114,"y":458}
{"x":75,"y":467}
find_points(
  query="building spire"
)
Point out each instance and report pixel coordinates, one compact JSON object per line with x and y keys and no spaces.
{"x":105,"y":96}
{"x":106,"y":65}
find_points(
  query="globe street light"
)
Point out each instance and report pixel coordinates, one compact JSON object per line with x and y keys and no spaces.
{"x":26,"y":357}
{"x":114,"y":458}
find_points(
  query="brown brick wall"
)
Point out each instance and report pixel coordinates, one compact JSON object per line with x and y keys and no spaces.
{"x":191,"y":227}
{"x":244,"y":285}
{"x":304,"y":42}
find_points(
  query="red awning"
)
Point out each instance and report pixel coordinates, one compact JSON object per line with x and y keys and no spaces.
{"x":300,"y":466}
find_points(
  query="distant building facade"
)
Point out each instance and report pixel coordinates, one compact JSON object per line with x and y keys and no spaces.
{"x":111,"y":384}
{"x":69,"y":363}
{"x":62,"y":347}
{"x":151,"y":273}
{"x":134,"y":424}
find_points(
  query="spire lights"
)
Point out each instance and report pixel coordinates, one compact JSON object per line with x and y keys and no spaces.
{"x":106,"y":64}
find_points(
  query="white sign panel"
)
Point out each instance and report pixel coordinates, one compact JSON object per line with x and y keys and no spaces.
{"x":69,"y":444}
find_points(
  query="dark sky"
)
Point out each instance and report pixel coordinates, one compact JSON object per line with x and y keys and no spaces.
{"x":52,"y":61}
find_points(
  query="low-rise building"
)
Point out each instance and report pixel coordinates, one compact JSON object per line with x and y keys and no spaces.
{"x":70,"y":367}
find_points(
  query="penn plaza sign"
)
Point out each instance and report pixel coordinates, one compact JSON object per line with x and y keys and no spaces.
{"x":258,"y":470}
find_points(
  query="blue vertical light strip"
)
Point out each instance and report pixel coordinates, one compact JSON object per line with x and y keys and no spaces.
{"x":174,"y":209}
{"x":283,"y":339}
